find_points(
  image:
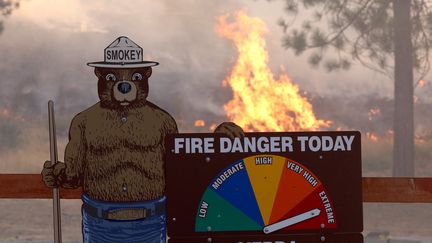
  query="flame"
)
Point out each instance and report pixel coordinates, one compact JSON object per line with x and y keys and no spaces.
{"x":213,"y":127}
{"x":372,"y":136}
{"x":4,"y":112}
{"x":423,"y":137}
{"x":373,"y":112}
{"x":199,"y":123}
{"x":421,"y":83}
{"x":260,"y":102}
{"x":7,"y":114}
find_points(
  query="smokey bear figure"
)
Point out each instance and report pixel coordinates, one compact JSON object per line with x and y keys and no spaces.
{"x":116,"y":152}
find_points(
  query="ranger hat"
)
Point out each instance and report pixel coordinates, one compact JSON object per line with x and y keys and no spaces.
{"x":123,"y":53}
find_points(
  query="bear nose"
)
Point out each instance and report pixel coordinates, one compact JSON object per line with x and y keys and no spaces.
{"x":124,"y":87}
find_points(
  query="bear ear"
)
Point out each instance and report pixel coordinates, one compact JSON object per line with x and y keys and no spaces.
{"x":98,"y":72}
{"x":148,"y":72}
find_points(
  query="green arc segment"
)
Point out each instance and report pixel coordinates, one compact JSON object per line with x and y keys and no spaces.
{"x":216,"y":214}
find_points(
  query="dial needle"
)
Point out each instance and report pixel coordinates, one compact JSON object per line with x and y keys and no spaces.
{"x":290,"y":221}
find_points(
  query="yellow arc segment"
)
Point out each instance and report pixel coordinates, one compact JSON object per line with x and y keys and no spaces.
{"x":264,"y":173}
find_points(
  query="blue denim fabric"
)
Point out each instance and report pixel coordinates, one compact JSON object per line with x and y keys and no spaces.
{"x":98,"y":230}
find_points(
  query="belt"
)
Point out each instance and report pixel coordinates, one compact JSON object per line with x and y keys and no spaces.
{"x":125,"y":213}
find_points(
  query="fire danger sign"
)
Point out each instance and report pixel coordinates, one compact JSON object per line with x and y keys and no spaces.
{"x":265,"y":184}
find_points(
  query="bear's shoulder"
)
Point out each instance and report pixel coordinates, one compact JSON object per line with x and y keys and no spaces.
{"x":94,"y":110}
{"x":160,"y":116}
{"x":92,"y":113}
{"x":151,"y":116}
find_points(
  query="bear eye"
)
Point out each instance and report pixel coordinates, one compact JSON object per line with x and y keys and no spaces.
{"x":136,"y":76}
{"x":110,"y":77}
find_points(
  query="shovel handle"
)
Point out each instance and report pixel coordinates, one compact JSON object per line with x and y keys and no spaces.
{"x":54,"y":159}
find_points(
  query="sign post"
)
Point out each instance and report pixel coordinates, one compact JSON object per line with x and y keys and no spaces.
{"x":266,"y":187}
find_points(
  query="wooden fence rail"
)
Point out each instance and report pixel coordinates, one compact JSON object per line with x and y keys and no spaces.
{"x":375,"y":189}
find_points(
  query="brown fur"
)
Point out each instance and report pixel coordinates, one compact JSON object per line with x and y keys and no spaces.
{"x":105,"y":87}
{"x":105,"y":153}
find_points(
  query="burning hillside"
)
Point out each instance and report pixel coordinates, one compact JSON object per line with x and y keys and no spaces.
{"x":261,"y":102}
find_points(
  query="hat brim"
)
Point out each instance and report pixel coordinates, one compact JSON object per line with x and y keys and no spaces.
{"x":122,"y":64}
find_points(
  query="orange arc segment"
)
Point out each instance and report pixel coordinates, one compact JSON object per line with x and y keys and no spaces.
{"x":296,"y":183}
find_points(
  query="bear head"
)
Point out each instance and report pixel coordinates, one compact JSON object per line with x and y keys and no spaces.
{"x":123,"y":87}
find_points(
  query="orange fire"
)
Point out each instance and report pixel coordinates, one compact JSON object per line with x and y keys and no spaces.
{"x":212,"y":127}
{"x":4,"y":112}
{"x":421,"y":83}
{"x":199,"y":123}
{"x":373,"y":112}
{"x":260,"y":102}
{"x":7,"y":114}
{"x":371,"y":136}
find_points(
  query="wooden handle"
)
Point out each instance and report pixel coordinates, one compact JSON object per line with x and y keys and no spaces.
{"x":54,"y":160}
{"x":52,"y":133}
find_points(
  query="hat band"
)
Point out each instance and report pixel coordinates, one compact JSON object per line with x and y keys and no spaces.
{"x":129,"y":55}
{"x":123,"y":64}
{"x":129,"y":63}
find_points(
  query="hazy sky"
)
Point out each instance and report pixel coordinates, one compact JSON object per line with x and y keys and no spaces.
{"x":46,"y":44}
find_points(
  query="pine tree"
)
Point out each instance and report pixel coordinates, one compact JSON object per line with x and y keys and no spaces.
{"x":388,"y":36}
{"x":6,"y":8}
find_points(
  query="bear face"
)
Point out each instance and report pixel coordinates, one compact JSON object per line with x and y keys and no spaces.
{"x":123,"y":87}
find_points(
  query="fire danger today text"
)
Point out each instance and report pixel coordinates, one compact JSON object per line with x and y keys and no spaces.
{"x":265,"y":144}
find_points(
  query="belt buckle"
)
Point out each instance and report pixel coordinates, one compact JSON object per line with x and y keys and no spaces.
{"x":127,"y":214}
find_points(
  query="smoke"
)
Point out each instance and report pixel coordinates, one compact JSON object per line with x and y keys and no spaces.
{"x":45,"y":46}
{"x":10,"y":135}
{"x":44,"y":58}
{"x":44,"y":55}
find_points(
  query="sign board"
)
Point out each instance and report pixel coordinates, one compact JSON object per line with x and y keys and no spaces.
{"x":265,"y":186}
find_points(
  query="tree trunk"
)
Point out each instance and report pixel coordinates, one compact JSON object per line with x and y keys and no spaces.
{"x":403,"y":124}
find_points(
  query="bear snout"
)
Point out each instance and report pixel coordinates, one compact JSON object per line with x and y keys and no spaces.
{"x":124,"y":87}
{"x":125,"y":92}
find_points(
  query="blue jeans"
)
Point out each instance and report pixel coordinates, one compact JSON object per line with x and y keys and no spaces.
{"x":99,"y":230}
